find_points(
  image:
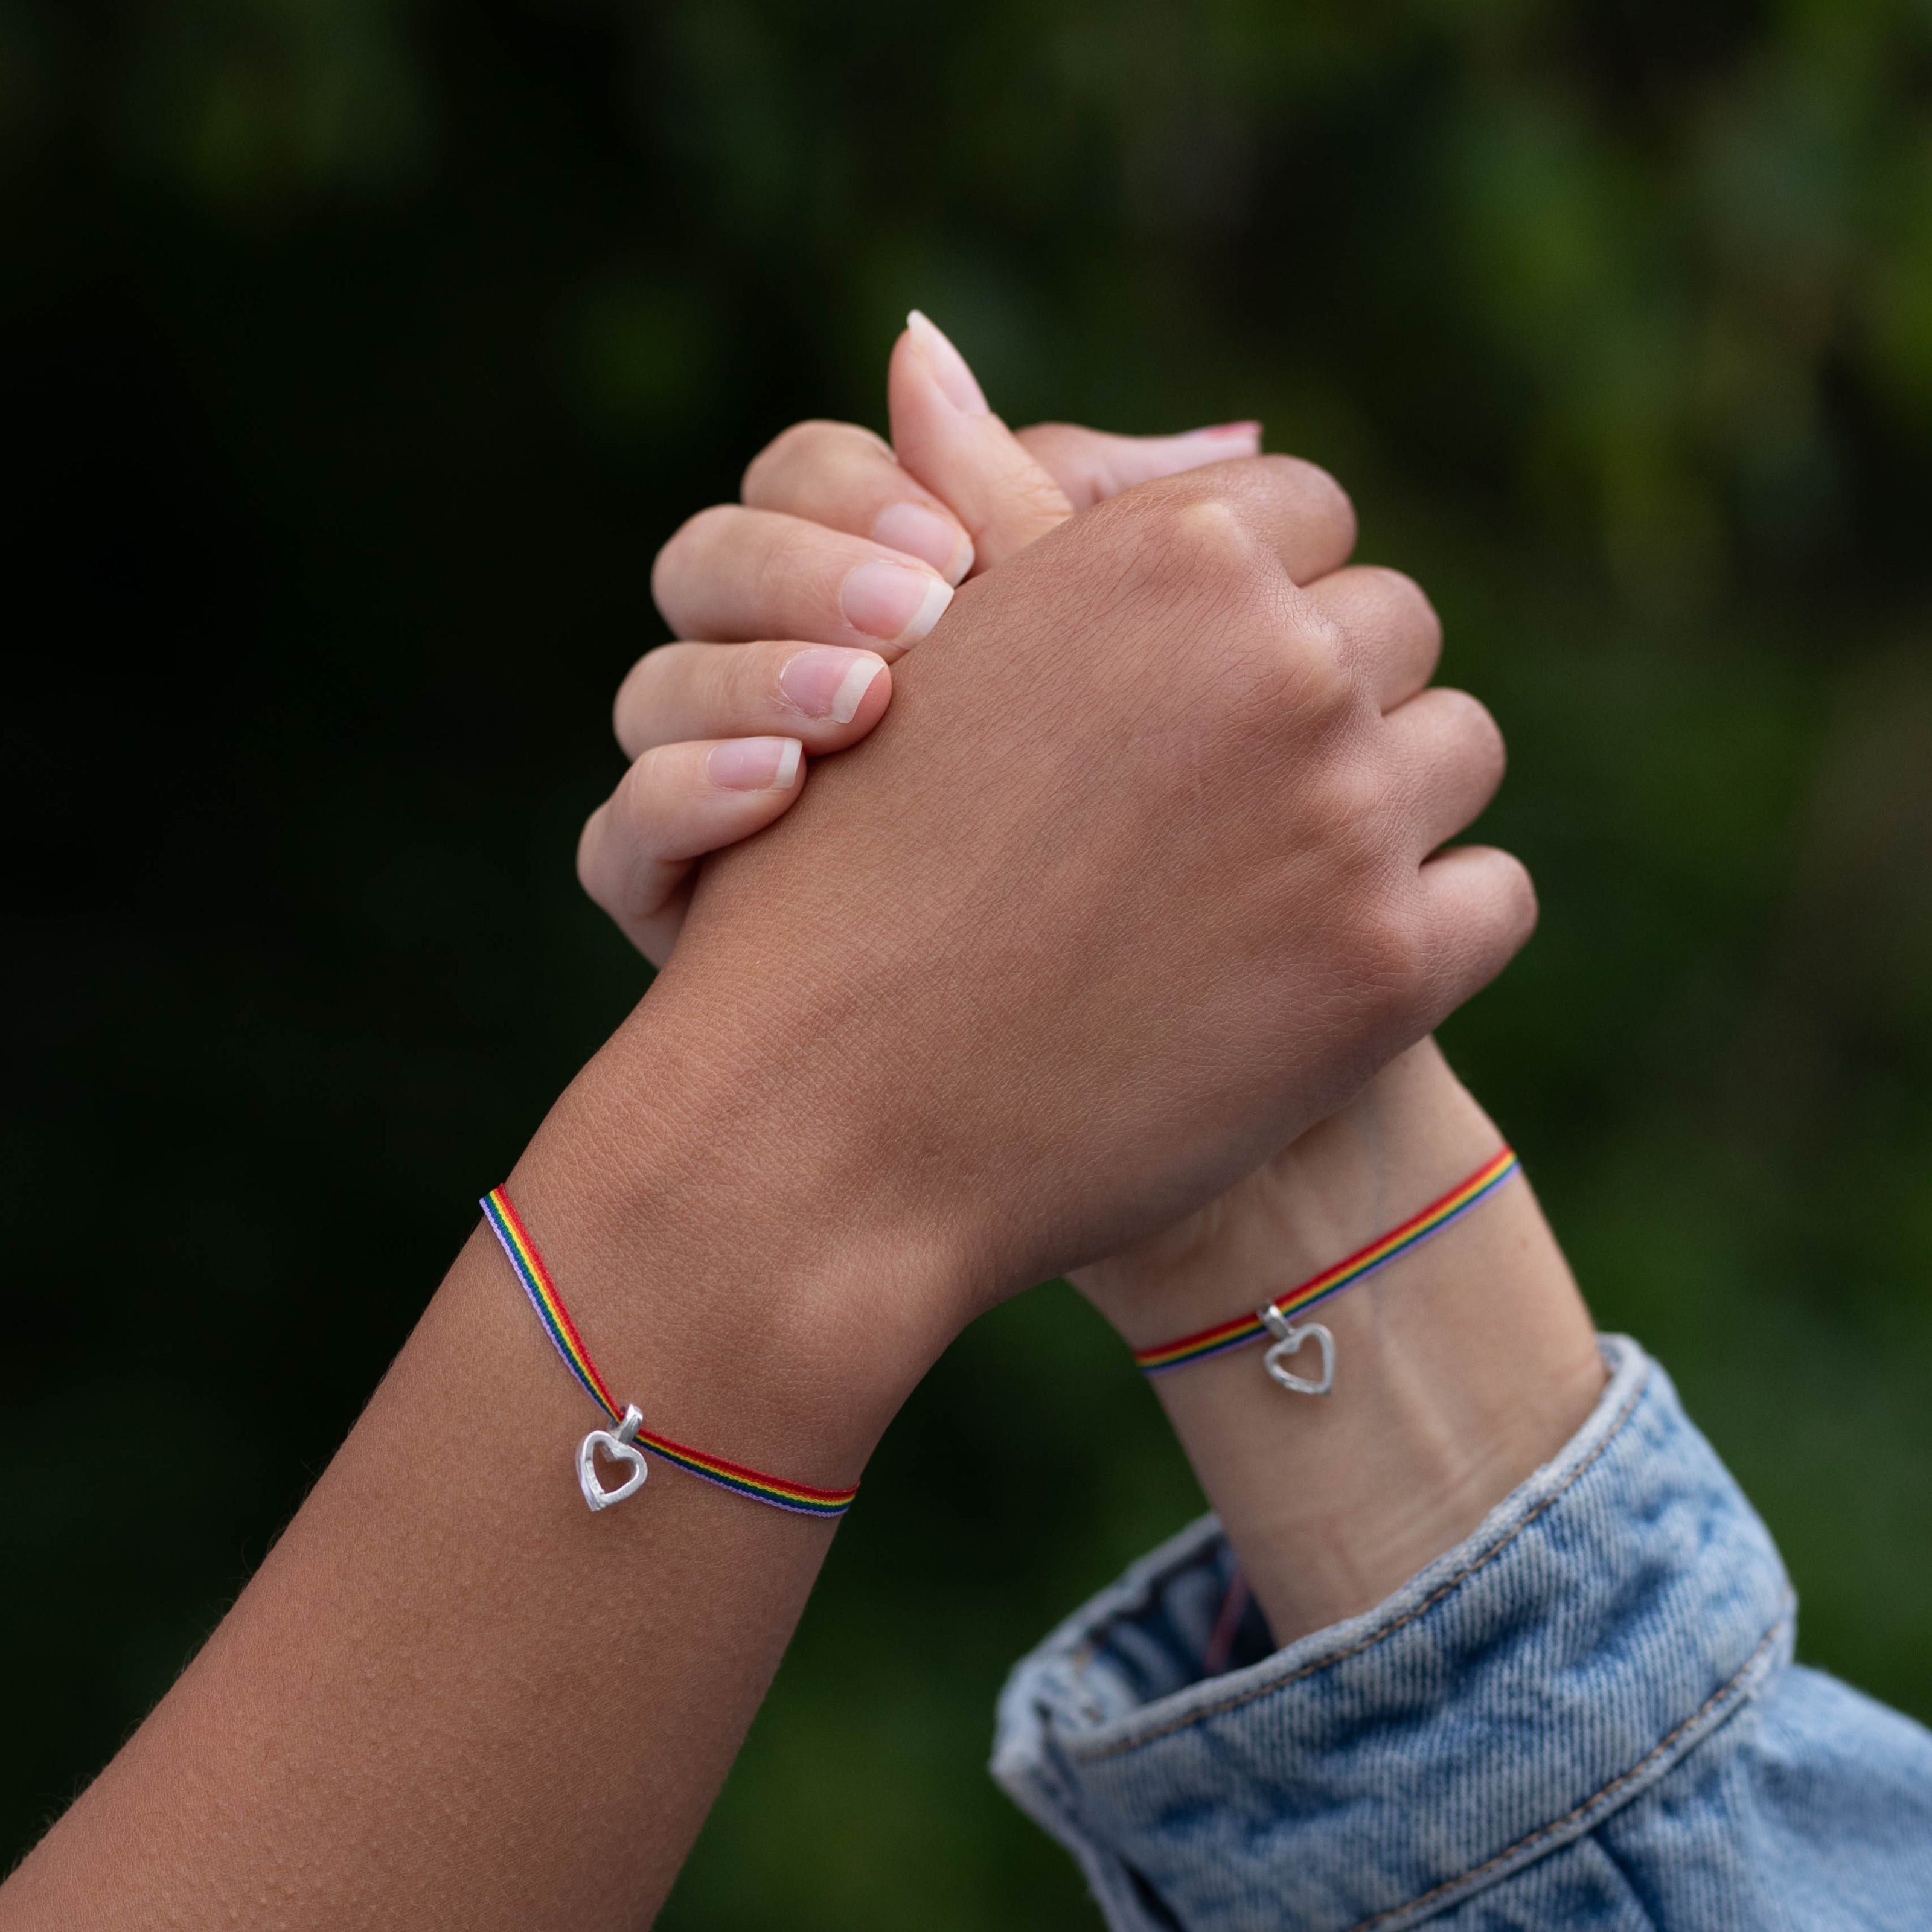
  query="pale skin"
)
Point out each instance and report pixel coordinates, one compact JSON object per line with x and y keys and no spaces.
{"x":1468,"y":1363}
{"x":906,"y":1060}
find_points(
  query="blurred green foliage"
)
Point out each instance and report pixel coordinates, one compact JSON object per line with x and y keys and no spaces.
{"x":358,"y":353}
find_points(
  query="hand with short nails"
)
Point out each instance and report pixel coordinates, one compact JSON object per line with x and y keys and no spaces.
{"x":837,"y":562}
{"x":967,"y":494}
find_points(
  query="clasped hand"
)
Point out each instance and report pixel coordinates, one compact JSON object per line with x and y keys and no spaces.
{"x":1143,"y":875}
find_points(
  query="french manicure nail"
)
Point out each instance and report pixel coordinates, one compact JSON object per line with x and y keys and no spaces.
{"x":829,"y":683}
{"x":926,"y":534}
{"x":1249,"y":433}
{"x":755,"y":764}
{"x":957,"y":382}
{"x":893,"y":602}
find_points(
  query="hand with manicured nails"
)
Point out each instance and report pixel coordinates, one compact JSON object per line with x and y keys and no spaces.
{"x":959,"y":489}
{"x":1205,"y":899}
{"x":837,"y":562}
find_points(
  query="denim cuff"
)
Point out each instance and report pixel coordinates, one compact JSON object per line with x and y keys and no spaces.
{"x":1603,"y":1621}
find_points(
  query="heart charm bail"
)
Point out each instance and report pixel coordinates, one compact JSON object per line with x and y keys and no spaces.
{"x":1288,"y":1340}
{"x":616,"y":1443}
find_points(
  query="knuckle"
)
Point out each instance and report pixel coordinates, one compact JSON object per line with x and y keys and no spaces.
{"x":1317,"y":671}
{"x":593,"y":850}
{"x":795,"y":440}
{"x":802,"y":450}
{"x":1498,"y":914}
{"x":1478,"y":737}
{"x":1208,"y":536}
{"x":1516,"y":891}
{"x":703,"y":531}
{"x":1406,"y":603}
{"x":671,"y":680}
{"x":765,"y":472}
{"x":1314,"y":494}
{"x":1292,"y":683}
{"x":1189,"y":545}
{"x":685,"y":549}
{"x":631,"y":709}
{"x":1302,"y":680}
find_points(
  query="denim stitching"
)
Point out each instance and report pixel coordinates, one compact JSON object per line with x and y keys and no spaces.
{"x":1637,"y":1770}
{"x":1098,"y":1753}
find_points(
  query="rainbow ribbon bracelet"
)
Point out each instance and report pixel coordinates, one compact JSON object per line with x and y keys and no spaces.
{"x":619,"y":1444}
{"x":1278,"y":1318}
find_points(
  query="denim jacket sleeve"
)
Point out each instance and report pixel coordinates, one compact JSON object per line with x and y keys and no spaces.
{"x":1586,"y":1715}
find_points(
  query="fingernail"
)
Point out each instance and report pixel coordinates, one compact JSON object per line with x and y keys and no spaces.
{"x":1249,"y":433}
{"x":926,"y":534}
{"x":755,"y":764}
{"x":955,"y":380}
{"x":829,"y":683}
{"x":893,"y":602}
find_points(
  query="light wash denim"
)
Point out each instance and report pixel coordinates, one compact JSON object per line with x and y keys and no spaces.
{"x":1586,"y":1715}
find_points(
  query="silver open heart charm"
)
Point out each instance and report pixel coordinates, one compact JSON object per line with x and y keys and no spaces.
{"x":616,"y":1443}
{"x":1289,"y":1339}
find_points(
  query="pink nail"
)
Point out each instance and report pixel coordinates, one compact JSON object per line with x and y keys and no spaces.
{"x":755,"y":764}
{"x":926,"y":534}
{"x":1227,"y":438}
{"x":893,"y":602}
{"x":829,"y":683}
{"x":955,"y":380}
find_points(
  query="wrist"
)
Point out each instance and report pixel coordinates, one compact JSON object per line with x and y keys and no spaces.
{"x":726,"y":1273}
{"x":1460,"y":1368}
{"x":1410,"y":1135}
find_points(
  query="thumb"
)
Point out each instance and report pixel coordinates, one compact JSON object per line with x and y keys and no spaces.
{"x":947,"y":437}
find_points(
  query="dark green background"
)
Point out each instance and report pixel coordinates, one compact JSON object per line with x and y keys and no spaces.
{"x":357,"y":354}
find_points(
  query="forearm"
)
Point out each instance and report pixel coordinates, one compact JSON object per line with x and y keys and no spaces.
{"x":1461,"y":1367}
{"x":452,"y":1694}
